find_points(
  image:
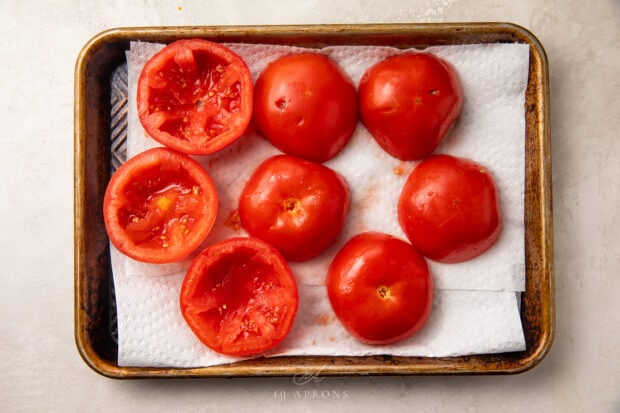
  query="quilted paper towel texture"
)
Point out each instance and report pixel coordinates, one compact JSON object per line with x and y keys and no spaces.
{"x":479,"y":293}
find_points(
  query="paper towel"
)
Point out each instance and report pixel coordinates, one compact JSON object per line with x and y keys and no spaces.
{"x":476,"y":307}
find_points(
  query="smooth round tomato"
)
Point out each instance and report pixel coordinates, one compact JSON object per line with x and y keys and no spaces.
{"x":409,"y":102}
{"x":159,"y":206}
{"x":297,"y":206}
{"x":195,"y":96}
{"x":305,"y":106}
{"x":449,"y":209}
{"x":380,"y":288}
{"x":239,"y":297}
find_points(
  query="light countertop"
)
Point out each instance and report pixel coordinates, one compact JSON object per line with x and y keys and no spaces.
{"x":42,"y":370}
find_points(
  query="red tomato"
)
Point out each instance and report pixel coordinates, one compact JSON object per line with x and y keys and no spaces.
{"x":305,"y":106}
{"x":409,"y":102}
{"x":239,"y":297}
{"x":380,"y":288}
{"x":297,"y":206}
{"x":195,"y":96}
{"x":449,"y":209}
{"x":159,"y":206}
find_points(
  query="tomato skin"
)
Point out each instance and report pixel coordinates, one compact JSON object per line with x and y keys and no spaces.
{"x":297,"y":206}
{"x":239,"y":297}
{"x":306,"y":106}
{"x":380,"y":288}
{"x":409,"y":102}
{"x":159,"y":206}
{"x":195,"y":96}
{"x":449,"y":209}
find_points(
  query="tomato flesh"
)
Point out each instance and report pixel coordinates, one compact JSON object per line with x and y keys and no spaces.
{"x":239,"y":297}
{"x":449,"y":209}
{"x":297,"y":206}
{"x":159,"y":206}
{"x":195,"y":96}
{"x":380,"y":288}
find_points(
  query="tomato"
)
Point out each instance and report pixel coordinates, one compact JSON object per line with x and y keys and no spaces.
{"x":409,"y":102}
{"x":380,"y":288}
{"x":195,"y":96}
{"x":239,"y":297}
{"x":159,"y":206}
{"x":297,"y":206}
{"x":449,"y":209}
{"x":305,"y":106}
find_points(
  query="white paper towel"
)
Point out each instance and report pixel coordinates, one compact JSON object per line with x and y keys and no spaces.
{"x":476,"y":307}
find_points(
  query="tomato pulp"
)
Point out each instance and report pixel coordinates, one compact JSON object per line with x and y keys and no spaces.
{"x":306,"y":106}
{"x":297,"y":206}
{"x":380,"y":288}
{"x":449,"y":209}
{"x":409,"y":102}
{"x":195,"y":96}
{"x":159,"y":206}
{"x":239,"y":297}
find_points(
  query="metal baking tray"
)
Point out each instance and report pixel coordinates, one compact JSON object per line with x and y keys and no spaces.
{"x":100,"y":124}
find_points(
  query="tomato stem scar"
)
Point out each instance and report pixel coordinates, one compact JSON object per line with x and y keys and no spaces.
{"x":291,"y":205}
{"x":384,"y":292}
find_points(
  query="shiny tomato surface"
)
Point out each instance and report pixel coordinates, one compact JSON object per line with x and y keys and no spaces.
{"x":380,"y":288}
{"x":306,"y":106}
{"x":159,"y":206}
{"x":195,"y":96}
{"x":239,"y":297}
{"x":449,"y":209}
{"x":297,"y":206}
{"x":409,"y":102}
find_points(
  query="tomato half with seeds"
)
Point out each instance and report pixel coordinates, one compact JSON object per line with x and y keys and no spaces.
{"x":380,"y":288}
{"x":195,"y":96}
{"x":239,"y":297}
{"x":306,"y":106}
{"x":297,"y":206}
{"x":449,"y":208}
{"x":159,"y":206}
{"x":409,"y":102}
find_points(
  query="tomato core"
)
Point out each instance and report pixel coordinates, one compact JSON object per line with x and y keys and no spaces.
{"x":384,"y":292}
{"x":152,"y":215}
{"x":291,"y":205}
{"x":202,"y":95}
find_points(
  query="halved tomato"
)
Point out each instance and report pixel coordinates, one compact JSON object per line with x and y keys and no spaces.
{"x":306,"y":106}
{"x":195,"y":96}
{"x":380,"y":288}
{"x":239,"y":297}
{"x":297,"y":206}
{"x":409,"y":102}
{"x":159,"y":206}
{"x":449,"y":208}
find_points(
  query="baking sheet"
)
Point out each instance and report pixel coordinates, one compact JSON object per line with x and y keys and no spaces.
{"x":105,"y":52}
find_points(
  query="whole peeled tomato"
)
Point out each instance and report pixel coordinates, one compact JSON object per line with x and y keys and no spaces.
{"x":239,"y":297}
{"x":298,"y":206}
{"x":195,"y":96}
{"x":449,"y":209}
{"x":380,"y":288}
{"x":409,"y":102}
{"x":306,"y":106}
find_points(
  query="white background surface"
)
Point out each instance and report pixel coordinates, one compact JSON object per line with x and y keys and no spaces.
{"x":41,"y":368}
